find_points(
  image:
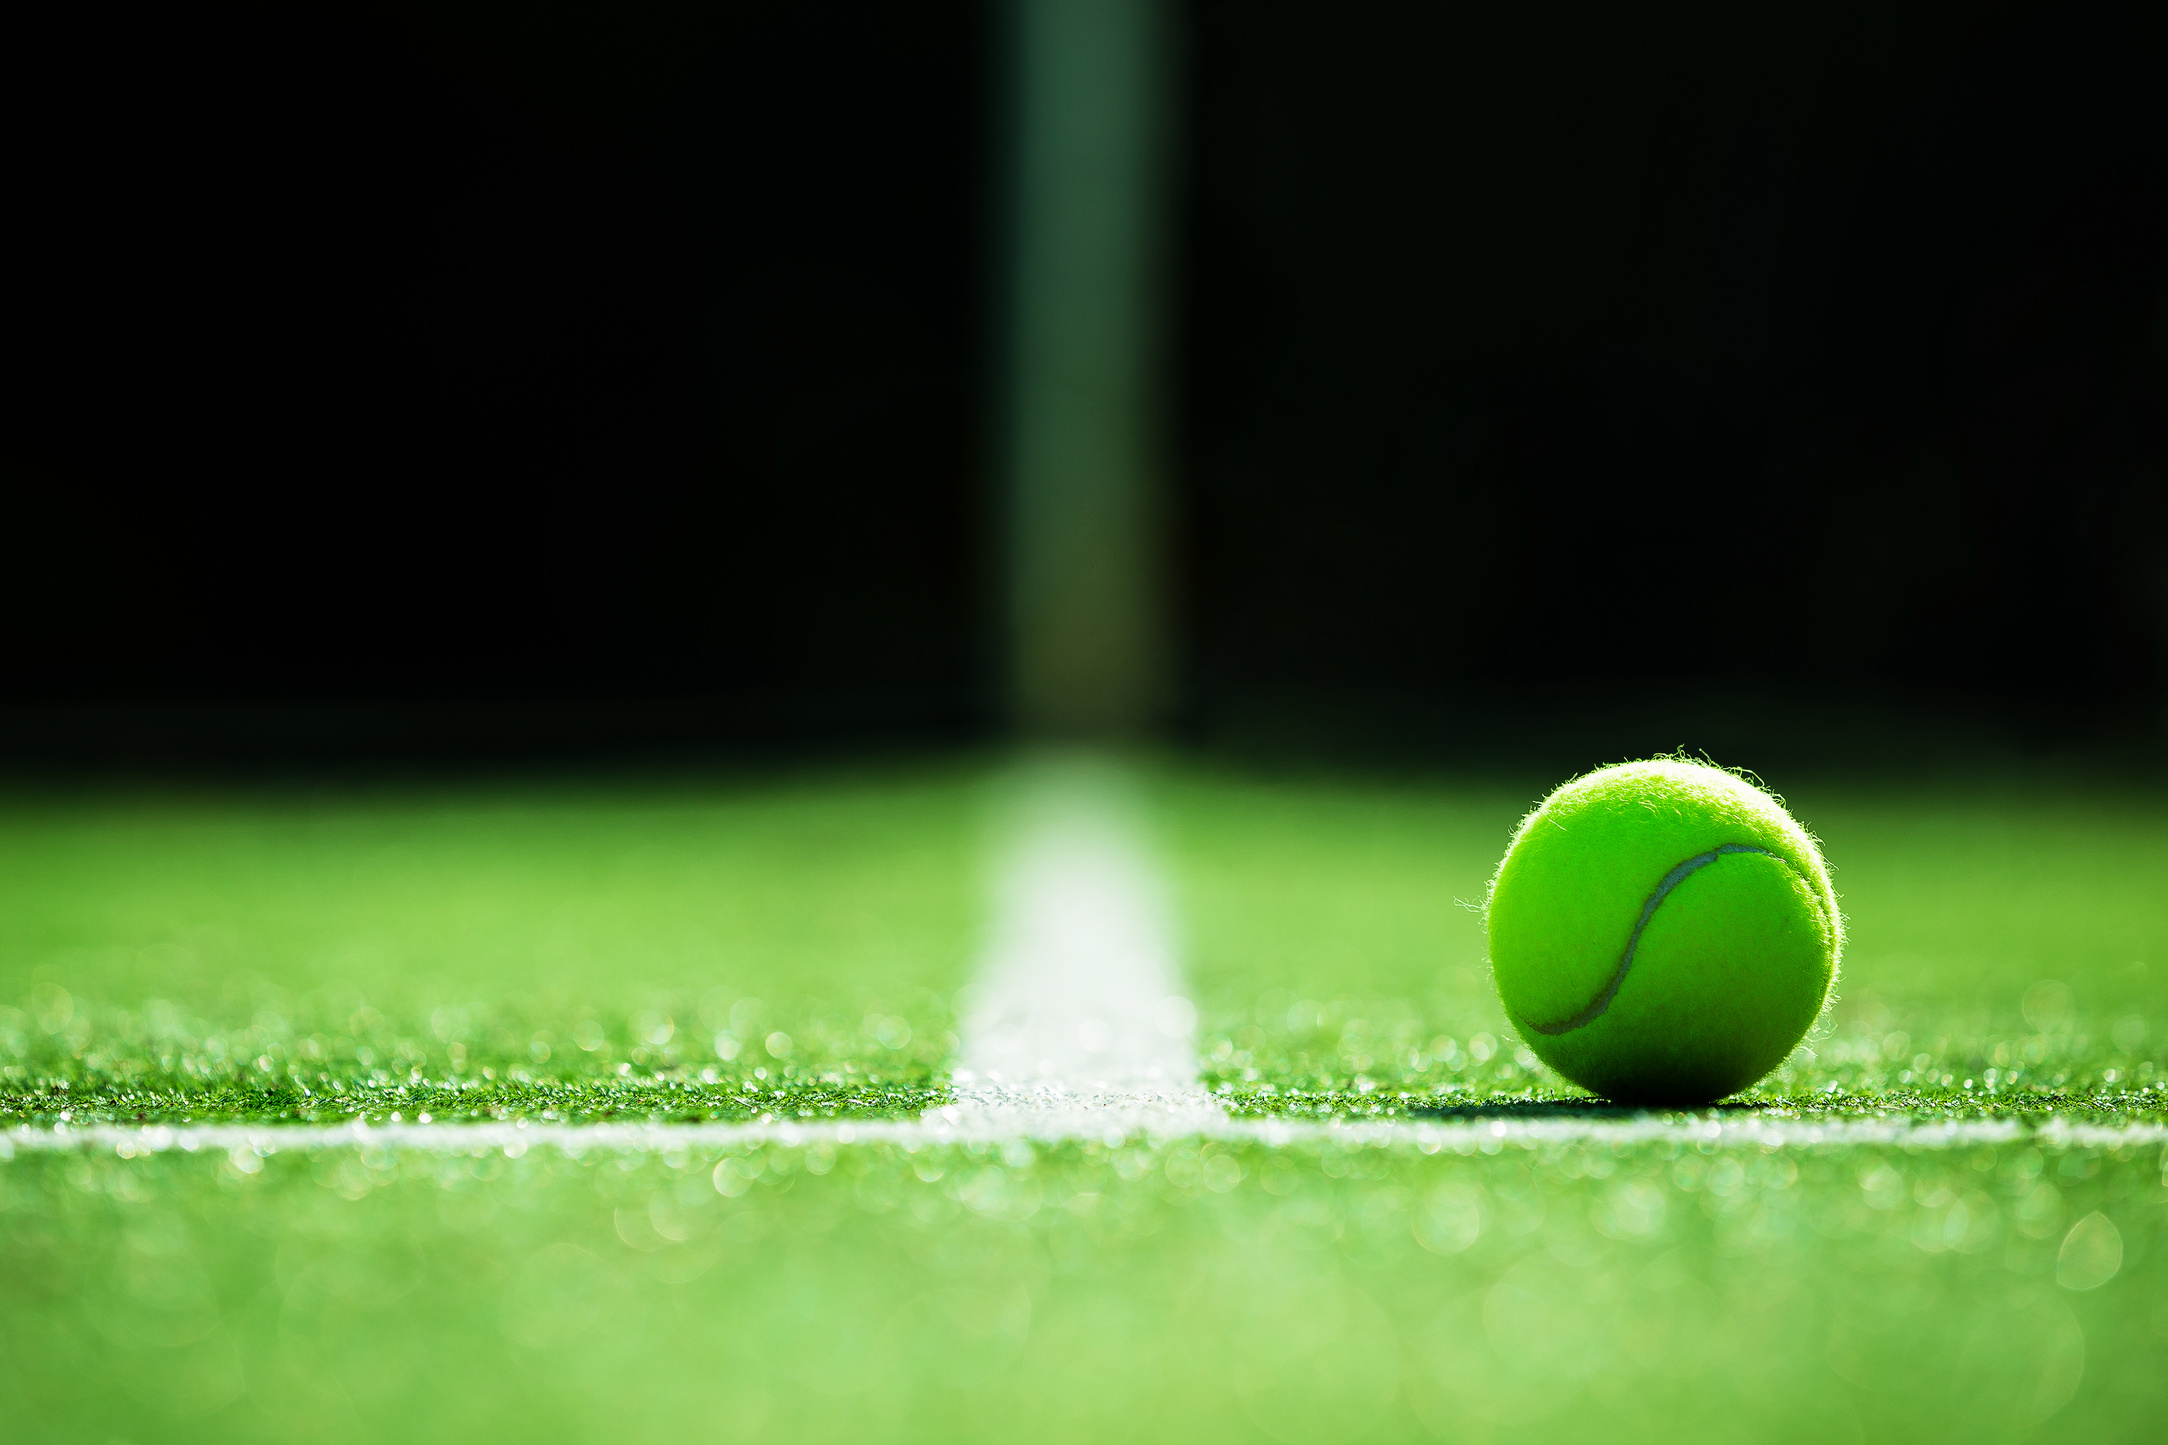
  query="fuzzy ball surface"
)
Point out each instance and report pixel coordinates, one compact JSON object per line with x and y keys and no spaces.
{"x":1663,"y":932}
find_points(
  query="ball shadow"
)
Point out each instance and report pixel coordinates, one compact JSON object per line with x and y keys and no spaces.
{"x":1527,"y":1110}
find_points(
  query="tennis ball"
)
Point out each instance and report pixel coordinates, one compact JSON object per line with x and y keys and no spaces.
{"x":1662,"y":932}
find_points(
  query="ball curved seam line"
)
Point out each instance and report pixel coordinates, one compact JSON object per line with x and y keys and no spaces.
{"x":1597,"y":1006}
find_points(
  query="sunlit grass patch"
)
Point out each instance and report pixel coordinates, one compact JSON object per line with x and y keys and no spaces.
{"x":470,"y":1062}
{"x":1376,"y":1057}
{"x":1924,"y":1106}
{"x":649,"y":1099}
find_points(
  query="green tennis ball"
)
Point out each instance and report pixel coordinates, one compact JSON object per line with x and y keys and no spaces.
{"x":1663,"y":932}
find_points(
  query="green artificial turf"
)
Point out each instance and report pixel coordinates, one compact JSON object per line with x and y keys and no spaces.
{"x":478,"y":952}
{"x":793,"y":949}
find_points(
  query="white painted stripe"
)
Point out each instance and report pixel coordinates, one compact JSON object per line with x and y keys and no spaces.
{"x":957,"y":1125}
{"x":1077,"y":1013}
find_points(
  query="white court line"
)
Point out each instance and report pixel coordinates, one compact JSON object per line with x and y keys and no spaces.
{"x":1458,"y":1136}
{"x":1077,"y":1024}
{"x":1078,"y":1033}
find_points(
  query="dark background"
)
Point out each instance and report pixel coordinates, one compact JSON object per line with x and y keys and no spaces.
{"x":493,"y":381}
{"x":1769,"y":375}
{"x":480,"y":379}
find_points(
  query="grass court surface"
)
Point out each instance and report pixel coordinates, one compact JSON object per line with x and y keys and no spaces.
{"x":1424,"y":1236}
